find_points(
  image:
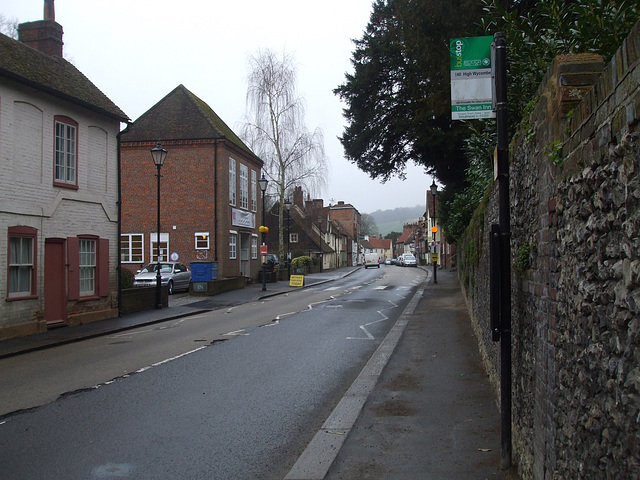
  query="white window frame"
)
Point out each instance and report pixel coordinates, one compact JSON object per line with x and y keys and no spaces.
{"x":254,"y":191}
{"x":293,"y":237}
{"x":201,"y":240}
{"x":127,"y":247}
{"x":233,"y":245}
{"x":244,"y":187}
{"x":164,"y":247}
{"x":65,"y":168}
{"x":254,"y":247}
{"x":232,"y":182}
{"x":21,"y":265}
{"x":88,"y":254}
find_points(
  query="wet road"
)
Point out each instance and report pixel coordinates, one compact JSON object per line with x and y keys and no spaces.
{"x":180,"y":401}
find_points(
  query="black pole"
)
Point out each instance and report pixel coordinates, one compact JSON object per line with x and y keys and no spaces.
{"x":288,"y":245}
{"x":505,"y":247}
{"x":435,"y":248}
{"x":264,"y":257}
{"x":158,"y":276}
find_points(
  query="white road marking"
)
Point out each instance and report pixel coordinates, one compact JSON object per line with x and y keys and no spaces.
{"x":364,"y":329}
{"x":143,"y":369}
{"x":235,"y":333}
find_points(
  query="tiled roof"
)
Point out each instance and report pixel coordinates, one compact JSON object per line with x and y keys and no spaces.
{"x":406,"y":236}
{"x":366,"y":244}
{"x":53,"y":75}
{"x":180,"y":116}
{"x":380,"y":242}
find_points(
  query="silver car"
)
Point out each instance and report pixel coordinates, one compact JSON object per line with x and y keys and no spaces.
{"x":409,"y":260}
{"x":173,"y":275}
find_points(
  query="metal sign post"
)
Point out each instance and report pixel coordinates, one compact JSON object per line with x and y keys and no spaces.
{"x":504,"y":245}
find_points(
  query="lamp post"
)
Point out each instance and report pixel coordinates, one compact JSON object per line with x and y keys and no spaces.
{"x":287,"y":205}
{"x":434,"y":190}
{"x":263,"y":229}
{"x":158,"y":154}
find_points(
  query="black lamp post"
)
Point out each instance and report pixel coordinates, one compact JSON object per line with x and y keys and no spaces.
{"x":434,"y":190}
{"x":158,"y":154}
{"x":263,"y":229}
{"x":287,"y":206}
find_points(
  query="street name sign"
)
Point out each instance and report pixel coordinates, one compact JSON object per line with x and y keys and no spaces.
{"x":471,"y":78}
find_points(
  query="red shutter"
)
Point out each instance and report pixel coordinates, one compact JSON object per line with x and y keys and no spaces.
{"x":73,"y":267}
{"x":103,"y":267}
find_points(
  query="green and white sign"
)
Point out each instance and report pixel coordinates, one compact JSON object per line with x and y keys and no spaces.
{"x":471,"y":86}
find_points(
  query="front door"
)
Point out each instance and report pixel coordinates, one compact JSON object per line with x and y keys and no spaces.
{"x":55,"y":305}
{"x":245,"y":248}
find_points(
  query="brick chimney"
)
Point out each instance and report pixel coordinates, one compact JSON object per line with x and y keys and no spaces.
{"x":43,"y":35}
{"x":298,"y":198}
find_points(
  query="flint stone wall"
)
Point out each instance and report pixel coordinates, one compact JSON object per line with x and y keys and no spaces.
{"x":575,"y":223}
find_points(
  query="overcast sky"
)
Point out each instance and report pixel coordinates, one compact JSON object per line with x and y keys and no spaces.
{"x":137,"y":51}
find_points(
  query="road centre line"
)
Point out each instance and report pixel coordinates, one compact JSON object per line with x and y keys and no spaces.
{"x":144,"y":369}
{"x":235,"y":333}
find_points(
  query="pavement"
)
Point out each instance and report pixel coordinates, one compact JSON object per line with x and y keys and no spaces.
{"x":423,"y":408}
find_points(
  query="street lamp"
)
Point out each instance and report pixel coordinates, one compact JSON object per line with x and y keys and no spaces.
{"x":158,"y":154}
{"x":263,"y":229}
{"x":434,"y":190}
{"x":287,"y":206}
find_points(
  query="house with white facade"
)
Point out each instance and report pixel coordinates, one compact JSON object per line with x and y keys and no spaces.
{"x":58,"y":187}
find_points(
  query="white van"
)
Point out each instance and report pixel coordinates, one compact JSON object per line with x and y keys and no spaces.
{"x":371,"y":260}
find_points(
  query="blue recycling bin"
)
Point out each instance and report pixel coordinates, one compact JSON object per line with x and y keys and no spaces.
{"x":202,"y":271}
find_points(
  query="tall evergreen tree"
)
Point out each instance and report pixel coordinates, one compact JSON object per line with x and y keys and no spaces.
{"x":398,"y":98}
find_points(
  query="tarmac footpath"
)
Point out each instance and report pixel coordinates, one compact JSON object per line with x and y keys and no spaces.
{"x":432,"y":413}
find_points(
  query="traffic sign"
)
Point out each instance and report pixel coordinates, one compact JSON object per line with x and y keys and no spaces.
{"x":263,"y":249}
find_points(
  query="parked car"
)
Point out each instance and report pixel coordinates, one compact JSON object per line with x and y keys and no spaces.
{"x":173,"y":275}
{"x":273,"y":263}
{"x":399,"y":260}
{"x":387,"y":261}
{"x":408,"y":260}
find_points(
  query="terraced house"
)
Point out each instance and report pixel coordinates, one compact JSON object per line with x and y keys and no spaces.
{"x":58,"y":186}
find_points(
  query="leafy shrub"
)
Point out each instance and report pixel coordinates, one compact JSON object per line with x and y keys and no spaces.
{"x":302,"y":262}
{"x":126,"y":278}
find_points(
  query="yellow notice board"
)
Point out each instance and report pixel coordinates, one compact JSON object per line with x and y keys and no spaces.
{"x":296,"y":281}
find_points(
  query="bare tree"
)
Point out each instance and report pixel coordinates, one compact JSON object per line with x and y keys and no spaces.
{"x":368,"y":225}
{"x":275,"y":130}
{"x":9,"y":26}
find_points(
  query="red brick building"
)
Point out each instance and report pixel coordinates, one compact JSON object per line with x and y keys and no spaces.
{"x":210,"y":198}
{"x":348,"y":217}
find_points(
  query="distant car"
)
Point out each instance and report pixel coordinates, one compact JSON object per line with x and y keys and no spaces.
{"x":408,"y":260}
{"x":387,"y":261}
{"x":173,"y":275}
{"x":399,"y":260}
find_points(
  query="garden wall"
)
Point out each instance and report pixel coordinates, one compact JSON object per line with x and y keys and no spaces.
{"x":575,"y":222}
